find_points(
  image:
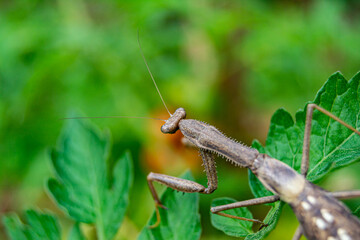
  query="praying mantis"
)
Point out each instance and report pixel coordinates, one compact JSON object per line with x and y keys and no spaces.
{"x":321,"y":215}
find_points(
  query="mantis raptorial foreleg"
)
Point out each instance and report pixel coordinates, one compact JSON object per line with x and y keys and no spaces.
{"x":315,"y":208}
{"x":178,"y":184}
{"x":184,"y":185}
{"x":321,"y":215}
{"x":208,"y":138}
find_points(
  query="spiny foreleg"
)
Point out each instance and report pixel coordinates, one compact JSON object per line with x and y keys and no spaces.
{"x":184,"y":185}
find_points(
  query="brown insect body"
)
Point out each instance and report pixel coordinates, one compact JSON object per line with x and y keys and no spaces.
{"x":324,"y":217}
{"x":321,"y":215}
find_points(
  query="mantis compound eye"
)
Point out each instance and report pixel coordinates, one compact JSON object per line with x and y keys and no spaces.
{"x":172,"y":124}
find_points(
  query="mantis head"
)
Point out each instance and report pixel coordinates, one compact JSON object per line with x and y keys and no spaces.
{"x":172,"y":124}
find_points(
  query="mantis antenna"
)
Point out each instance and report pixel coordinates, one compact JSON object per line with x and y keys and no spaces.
{"x":115,"y":117}
{"x":147,"y":66}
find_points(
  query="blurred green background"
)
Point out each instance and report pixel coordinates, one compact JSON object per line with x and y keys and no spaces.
{"x":228,"y":63}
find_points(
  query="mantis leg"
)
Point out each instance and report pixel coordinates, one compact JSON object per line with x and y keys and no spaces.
{"x":184,"y":185}
{"x":345,"y":194}
{"x":306,"y":153}
{"x":306,"y":143}
{"x":298,"y":233}
{"x":256,"y":201}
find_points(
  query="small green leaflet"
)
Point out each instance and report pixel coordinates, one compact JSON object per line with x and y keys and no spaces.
{"x":39,"y":226}
{"x":180,"y":221}
{"x":75,"y":233}
{"x":332,"y":145}
{"x":357,"y":212}
{"x":230,"y":226}
{"x":83,"y":187}
{"x":271,"y":219}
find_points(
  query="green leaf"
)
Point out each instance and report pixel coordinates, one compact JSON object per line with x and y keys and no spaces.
{"x":83,"y":187}
{"x":75,"y":233}
{"x":14,"y":228}
{"x":179,"y":220}
{"x":332,"y":145}
{"x":40,"y":226}
{"x":271,"y":219}
{"x":231,"y":226}
{"x":357,"y":212}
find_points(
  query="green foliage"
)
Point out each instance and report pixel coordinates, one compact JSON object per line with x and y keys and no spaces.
{"x":271,"y":220}
{"x":332,"y":145}
{"x":181,"y":218}
{"x":252,"y":56}
{"x":230,"y":226}
{"x":291,"y":54}
{"x":82,"y":187}
{"x":39,"y":226}
{"x":91,"y":194}
{"x":357,"y":212}
{"x":88,"y":50}
{"x":75,"y":233}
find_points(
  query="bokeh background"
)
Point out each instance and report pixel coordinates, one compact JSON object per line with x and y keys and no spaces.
{"x":228,"y":63}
